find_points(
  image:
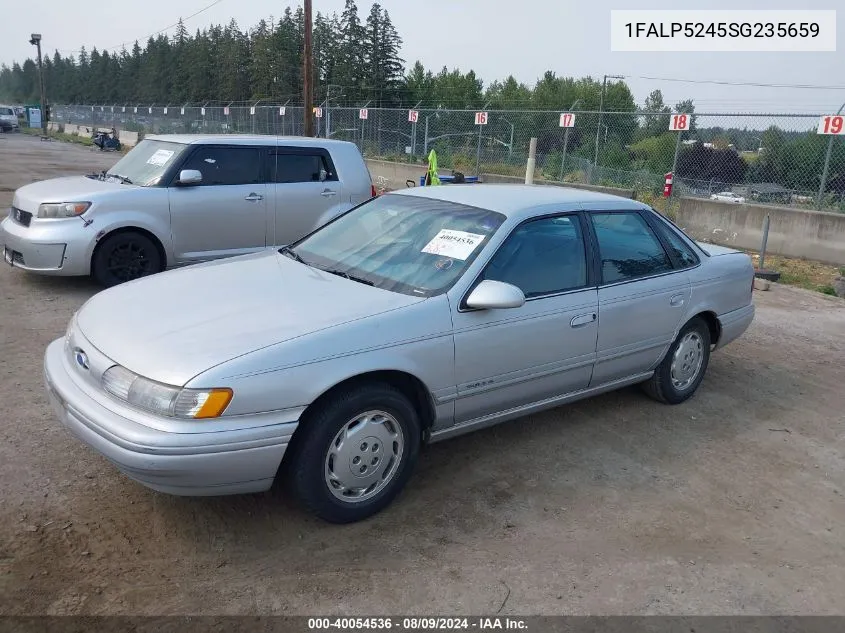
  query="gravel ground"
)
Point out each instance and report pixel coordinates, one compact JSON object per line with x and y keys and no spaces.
{"x":731,"y":503}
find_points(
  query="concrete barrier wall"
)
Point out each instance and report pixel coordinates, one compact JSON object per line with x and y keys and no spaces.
{"x":616,"y":191}
{"x":395,"y":175}
{"x":128,"y":139}
{"x":792,"y":232}
{"x":71,"y":128}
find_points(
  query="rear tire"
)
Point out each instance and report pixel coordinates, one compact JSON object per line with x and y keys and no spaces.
{"x":123,"y":257}
{"x":681,"y":371}
{"x":355,"y":453}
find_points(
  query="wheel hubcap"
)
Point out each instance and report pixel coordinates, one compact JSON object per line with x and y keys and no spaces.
{"x":129,"y":261}
{"x":687,"y":360}
{"x":364,"y":456}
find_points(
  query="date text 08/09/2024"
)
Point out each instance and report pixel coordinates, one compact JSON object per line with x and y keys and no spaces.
{"x":417,"y":623}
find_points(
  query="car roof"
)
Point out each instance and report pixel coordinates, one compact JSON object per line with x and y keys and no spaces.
{"x":246,"y":139}
{"x":513,"y":200}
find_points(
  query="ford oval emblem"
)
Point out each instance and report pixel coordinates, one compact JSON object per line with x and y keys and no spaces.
{"x":81,"y":359}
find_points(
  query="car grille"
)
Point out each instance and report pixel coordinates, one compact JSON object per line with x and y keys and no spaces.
{"x":20,"y":216}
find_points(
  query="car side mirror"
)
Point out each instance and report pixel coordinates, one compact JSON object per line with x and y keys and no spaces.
{"x":495,"y":295}
{"x":189,"y":177}
{"x":323,"y":175}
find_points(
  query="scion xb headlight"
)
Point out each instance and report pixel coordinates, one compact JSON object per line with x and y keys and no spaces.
{"x":62,"y":209}
{"x":174,"y":402}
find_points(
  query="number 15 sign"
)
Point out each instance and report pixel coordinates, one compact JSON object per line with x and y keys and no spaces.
{"x":831,"y":125}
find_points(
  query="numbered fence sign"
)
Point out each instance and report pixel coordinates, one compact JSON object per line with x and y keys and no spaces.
{"x":135,"y":110}
{"x":282,"y":111}
{"x":567,"y":119}
{"x":252,"y":110}
{"x":679,"y":122}
{"x":112,"y":108}
{"x":481,"y":118}
{"x":363,"y":113}
{"x":124,"y":109}
{"x":226,"y":110}
{"x":413,"y":116}
{"x":202,"y":111}
{"x":165,"y":110}
{"x":182,"y":111}
{"x":833,"y":124}
{"x":318,"y":112}
{"x":101,"y":108}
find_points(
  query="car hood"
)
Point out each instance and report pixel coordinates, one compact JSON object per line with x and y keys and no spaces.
{"x":68,"y":189}
{"x":173,"y":326}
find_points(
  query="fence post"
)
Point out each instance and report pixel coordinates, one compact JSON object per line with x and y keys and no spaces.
{"x":675,"y":162}
{"x":532,"y":160}
{"x":478,"y":153}
{"x":825,"y":171}
{"x":765,"y":242}
{"x":563,"y":159}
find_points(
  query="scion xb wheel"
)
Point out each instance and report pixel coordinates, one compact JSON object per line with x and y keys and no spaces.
{"x":124,"y":257}
{"x":355,"y":453}
{"x":682,"y":370}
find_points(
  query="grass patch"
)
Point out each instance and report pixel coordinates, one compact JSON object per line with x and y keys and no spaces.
{"x":61,"y":136}
{"x":801,"y":272}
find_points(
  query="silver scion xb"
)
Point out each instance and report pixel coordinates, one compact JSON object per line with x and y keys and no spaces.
{"x":415,"y":317}
{"x":176,"y":200}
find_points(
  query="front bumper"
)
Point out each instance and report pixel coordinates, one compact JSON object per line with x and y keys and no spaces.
{"x":240,"y":459}
{"x":56,"y":247}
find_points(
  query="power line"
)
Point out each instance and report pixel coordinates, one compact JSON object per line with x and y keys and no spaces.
{"x":743,"y":83}
{"x":167,"y":28}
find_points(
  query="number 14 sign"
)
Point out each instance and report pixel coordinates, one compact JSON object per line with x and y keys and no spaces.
{"x":831,"y":125}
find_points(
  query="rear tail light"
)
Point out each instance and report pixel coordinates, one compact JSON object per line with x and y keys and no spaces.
{"x":373,"y":192}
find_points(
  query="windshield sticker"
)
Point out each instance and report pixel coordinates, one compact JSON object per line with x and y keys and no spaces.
{"x":454,"y":244}
{"x":160,"y":158}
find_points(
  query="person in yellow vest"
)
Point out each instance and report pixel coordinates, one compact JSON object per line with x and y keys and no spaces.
{"x":431,"y":177}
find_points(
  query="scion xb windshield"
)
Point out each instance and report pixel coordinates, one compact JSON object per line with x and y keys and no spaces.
{"x":407,"y":244}
{"x":146,"y":163}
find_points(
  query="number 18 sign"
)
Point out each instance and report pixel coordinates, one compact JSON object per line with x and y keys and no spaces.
{"x":831,"y":125}
{"x":679,"y":122}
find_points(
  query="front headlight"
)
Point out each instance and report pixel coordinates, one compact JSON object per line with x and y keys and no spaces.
{"x":62,"y":209}
{"x":162,"y":399}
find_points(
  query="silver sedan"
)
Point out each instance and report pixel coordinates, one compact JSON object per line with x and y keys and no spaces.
{"x":415,"y":317}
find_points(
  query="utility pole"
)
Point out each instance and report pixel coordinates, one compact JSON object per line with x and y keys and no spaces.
{"x":601,"y":111}
{"x":307,"y":74}
{"x":35,"y":40}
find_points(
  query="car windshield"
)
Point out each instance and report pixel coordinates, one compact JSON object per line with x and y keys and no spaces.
{"x":147,"y":162}
{"x":408,"y":244}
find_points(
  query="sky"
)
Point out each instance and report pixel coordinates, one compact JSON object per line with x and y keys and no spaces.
{"x":495,"y":38}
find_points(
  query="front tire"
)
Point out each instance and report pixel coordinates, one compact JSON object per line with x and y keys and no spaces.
{"x":355,"y":453}
{"x":123,"y":257}
{"x":681,"y":371}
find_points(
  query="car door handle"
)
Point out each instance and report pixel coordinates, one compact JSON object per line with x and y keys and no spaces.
{"x":676,"y":300}
{"x":253,"y":197}
{"x":583,"y":319}
{"x":328,"y":193}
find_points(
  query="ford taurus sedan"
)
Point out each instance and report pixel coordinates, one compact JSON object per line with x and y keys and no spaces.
{"x":412,"y":318}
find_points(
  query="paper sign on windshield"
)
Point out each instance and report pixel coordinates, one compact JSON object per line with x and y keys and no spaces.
{"x":454,"y":244}
{"x":160,"y":158}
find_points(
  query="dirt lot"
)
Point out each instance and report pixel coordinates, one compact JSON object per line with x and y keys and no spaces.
{"x":733,"y":503}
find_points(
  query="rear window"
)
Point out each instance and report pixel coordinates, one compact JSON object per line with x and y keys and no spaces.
{"x":7,"y":111}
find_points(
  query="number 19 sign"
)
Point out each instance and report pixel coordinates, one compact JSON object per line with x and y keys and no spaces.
{"x":831,"y":125}
{"x":679,"y":122}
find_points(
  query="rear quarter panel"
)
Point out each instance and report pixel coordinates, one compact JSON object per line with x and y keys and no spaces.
{"x":721,"y":284}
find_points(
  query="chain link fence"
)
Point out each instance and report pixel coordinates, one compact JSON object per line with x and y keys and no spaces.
{"x":767,"y":158}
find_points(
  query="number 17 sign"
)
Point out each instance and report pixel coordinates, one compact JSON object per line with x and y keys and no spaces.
{"x":567,"y":119}
{"x":831,"y":125}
